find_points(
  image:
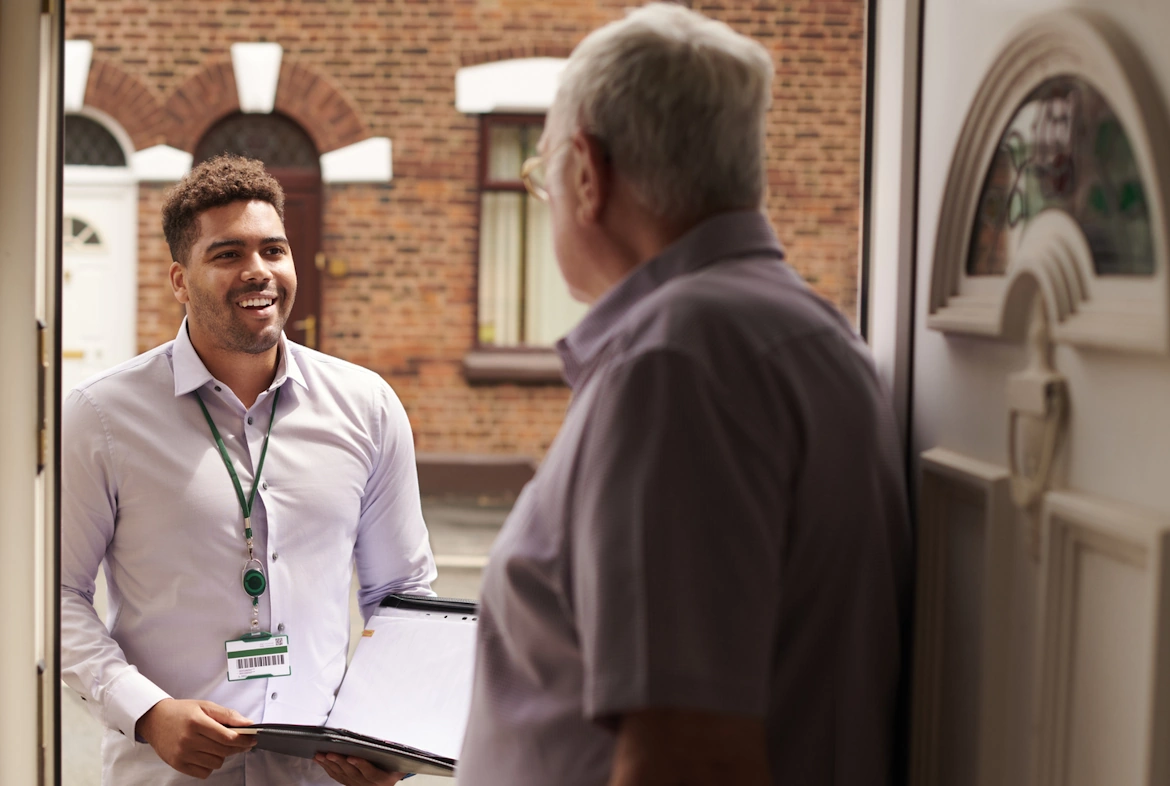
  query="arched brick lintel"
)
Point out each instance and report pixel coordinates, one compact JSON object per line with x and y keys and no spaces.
{"x":515,"y":53}
{"x":199,"y":102}
{"x":322,"y":110}
{"x":129,"y":101}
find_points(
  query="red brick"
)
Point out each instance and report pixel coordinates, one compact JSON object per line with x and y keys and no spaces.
{"x":356,"y":69}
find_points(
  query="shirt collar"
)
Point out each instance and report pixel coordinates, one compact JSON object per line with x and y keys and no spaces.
{"x":191,"y":374}
{"x":721,"y":237}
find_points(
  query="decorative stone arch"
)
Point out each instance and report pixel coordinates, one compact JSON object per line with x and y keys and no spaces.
{"x":321,"y":109}
{"x":129,"y":101}
{"x":199,"y":103}
{"x":349,"y":154}
{"x":1128,"y":312}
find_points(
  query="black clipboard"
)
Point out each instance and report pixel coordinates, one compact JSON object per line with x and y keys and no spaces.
{"x":431,"y":604}
{"x":307,"y":741}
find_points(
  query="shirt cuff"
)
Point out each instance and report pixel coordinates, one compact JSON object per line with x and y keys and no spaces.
{"x":128,"y":698}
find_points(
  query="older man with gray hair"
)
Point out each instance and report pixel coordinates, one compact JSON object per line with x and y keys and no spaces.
{"x":707,"y":580}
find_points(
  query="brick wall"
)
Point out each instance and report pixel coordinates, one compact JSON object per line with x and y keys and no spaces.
{"x":358,"y":68}
{"x":159,"y":314}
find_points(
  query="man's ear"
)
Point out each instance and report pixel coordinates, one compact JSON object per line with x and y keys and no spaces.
{"x":591,"y":177}
{"x":178,"y":276}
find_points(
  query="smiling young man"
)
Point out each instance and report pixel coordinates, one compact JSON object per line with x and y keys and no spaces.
{"x":229,"y":480}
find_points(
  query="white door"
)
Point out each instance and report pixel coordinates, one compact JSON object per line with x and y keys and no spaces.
{"x":100,"y":277}
{"x":1041,"y":384}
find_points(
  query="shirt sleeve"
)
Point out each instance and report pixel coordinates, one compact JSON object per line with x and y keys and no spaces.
{"x":92,"y":663}
{"x":393,"y":550}
{"x":676,"y":516}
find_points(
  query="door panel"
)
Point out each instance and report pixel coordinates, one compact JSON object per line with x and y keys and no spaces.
{"x":1102,"y":577}
{"x":965,"y":538}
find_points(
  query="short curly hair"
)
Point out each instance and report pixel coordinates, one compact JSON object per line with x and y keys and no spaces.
{"x":216,"y":182}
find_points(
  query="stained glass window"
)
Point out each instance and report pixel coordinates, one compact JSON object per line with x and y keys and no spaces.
{"x":88,"y":143}
{"x":273,"y":139}
{"x":1065,"y":149}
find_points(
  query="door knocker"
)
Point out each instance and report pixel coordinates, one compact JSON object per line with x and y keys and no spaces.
{"x":1037,"y":399}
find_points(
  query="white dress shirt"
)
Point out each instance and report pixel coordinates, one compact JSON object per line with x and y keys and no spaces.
{"x":144,"y":489}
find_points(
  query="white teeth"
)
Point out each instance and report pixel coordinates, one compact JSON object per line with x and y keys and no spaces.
{"x":256,"y":302}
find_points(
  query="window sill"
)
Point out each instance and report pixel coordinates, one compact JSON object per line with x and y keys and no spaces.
{"x":530,"y":367}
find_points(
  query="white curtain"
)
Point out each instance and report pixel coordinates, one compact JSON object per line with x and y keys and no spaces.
{"x":499,"y":269}
{"x":499,"y":244}
{"x":507,"y":153}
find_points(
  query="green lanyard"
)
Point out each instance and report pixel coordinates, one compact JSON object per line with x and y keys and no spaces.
{"x":252,"y":578}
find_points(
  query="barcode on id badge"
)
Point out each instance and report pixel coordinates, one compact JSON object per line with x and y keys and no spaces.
{"x":249,"y":659}
{"x":260,"y":662}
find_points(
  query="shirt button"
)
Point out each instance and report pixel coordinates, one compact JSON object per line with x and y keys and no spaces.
{"x":249,"y":421}
{"x":280,"y":628}
{"x":264,"y":485}
{"x":274,"y":695}
{"x":275,"y":556}
{"x":218,"y":389}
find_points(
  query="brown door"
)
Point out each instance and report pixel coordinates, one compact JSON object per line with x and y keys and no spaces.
{"x":302,"y":224}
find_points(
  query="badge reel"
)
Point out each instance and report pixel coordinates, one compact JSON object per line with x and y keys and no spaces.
{"x":258,"y":654}
{"x":253,"y":578}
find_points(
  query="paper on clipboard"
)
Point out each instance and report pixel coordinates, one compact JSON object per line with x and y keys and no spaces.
{"x":410,"y":681}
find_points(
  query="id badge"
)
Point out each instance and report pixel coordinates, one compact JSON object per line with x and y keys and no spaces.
{"x":257,"y":657}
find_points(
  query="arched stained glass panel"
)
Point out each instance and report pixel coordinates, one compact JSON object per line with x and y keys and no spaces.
{"x":88,"y":143}
{"x":1065,"y":149}
{"x":274,"y":139}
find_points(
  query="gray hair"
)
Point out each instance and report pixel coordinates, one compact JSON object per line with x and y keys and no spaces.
{"x":678,"y":101}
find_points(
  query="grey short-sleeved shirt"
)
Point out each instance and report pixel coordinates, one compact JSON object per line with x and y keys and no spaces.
{"x":720,"y":525}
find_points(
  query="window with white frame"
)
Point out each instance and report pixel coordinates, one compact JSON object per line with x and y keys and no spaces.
{"x":523,"y":301}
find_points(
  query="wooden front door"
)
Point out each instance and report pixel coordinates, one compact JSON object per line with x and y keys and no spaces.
{"x":302,"y":224}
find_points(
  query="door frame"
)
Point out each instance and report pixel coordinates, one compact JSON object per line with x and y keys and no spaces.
{"x":891,"y":253}
{"x":31,"y":73}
